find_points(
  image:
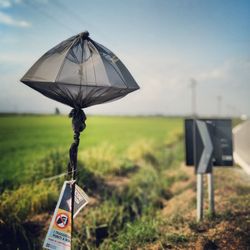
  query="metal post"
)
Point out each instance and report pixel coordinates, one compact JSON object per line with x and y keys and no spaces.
{"x":199,"y":177}
{"x":210,"y":184}
{"x":78,"y":125}
{"x":199,"y":197}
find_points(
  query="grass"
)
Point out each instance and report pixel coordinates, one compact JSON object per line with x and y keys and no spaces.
{"x":28,"y":200}
{"x":128,"y":208}
{"x":35,"y":147}
{"x":141,"y":195}
{"x":134,"y":235}
{"x":24,"y":140}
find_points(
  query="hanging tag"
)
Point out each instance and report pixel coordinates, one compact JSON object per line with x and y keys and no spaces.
{"x":59,"y":233}
{"x":81,"y":200}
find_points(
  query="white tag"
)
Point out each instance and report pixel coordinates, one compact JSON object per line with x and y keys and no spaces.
{"x":59,"y":233}
{"x":81,"y":200}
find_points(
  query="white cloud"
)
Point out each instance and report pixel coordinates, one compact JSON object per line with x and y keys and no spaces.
{"x":10,"y":21}
{"x":43,"y":1}
{"x":163,"y":81}
{"x":9,"y":3}
{"x":232,"y":72}
{"x":5,"y":3}
{"x":17,"y":58}
{"x":229,"y":80}
{"x":164,"y":86}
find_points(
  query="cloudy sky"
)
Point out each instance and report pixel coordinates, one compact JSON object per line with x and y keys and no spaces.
{"x":164,"y":44}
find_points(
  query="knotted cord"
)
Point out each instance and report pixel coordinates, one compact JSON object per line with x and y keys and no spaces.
{"x":78,"y":125}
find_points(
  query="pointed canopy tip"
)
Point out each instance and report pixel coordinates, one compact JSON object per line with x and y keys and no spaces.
{"x":84,"y":34}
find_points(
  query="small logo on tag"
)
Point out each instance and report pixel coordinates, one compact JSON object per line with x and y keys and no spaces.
{"x":62,"y":220}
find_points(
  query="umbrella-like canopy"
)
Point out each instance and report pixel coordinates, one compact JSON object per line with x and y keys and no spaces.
{"x":80,"y":72}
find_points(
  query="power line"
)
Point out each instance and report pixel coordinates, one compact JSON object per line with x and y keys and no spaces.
{"x":41,"y":11}
{"x":80,"y":19}
{"x":67,"y":10}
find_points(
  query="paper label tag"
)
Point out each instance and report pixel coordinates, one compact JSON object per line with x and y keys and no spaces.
{"x":81,"y":200}
{"x":59,"y":233}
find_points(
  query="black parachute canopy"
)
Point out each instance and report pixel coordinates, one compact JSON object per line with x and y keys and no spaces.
{"x":80,"y":72}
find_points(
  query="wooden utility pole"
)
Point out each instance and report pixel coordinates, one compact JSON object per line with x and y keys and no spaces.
{"x":193,"y":96}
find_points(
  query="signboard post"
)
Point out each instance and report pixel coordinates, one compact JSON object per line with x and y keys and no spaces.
{"x":199,"y":197}
{"x":208,"y":143}
{"x":210,"y":184}
{"x":202,"y":161}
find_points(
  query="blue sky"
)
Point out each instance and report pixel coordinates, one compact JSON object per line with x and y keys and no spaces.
{"x":163,"y":44}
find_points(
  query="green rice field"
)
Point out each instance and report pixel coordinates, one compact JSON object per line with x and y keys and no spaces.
{"x":26,"y":139}
{"x":141,"y":194}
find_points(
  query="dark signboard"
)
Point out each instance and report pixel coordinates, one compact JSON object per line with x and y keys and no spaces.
{"x":208,"y":142}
